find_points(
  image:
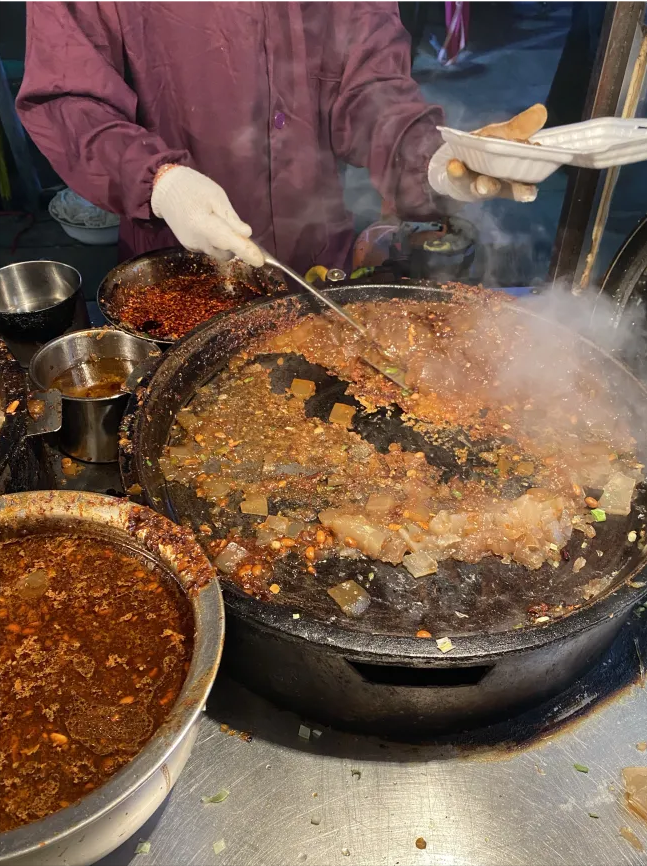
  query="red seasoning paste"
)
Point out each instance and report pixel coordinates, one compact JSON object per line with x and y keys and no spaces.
{"x":95,"y":644}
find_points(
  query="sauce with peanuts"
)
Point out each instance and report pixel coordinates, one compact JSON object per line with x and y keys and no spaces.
{"x":95,"y":644}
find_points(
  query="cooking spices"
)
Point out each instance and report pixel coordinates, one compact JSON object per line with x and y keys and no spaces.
{"x":171,"y":308}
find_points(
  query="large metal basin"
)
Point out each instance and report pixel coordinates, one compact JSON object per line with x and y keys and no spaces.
{"x":83,"y":833}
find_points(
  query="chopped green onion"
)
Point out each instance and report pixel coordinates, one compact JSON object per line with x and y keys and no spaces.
{"x":249,"y":379}
{"x":220,"y":797}
{"x":406,"y":392}
{"x":581,"y":768}
{"x":599,"y":515}
{"x":219,"y":846}
{"x":391,"y":370}
{"x":143,"y":847}
{"x":148,"y":462}
{"x":593,"y":815}
{"x":457,"y":494}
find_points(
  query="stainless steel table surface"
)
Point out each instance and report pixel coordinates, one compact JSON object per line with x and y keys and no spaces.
{"x":340,"y":799}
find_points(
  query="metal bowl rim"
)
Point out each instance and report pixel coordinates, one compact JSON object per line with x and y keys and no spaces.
{"x":468,"y":648}
{"x":208,"y":611}
{"x":51,"y":306}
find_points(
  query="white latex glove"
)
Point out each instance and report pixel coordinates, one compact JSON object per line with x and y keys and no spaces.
{"x":451,"y":177}
{"x":200,"y":215}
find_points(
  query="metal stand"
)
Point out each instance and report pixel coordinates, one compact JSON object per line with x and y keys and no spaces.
{"x":617,"y":80}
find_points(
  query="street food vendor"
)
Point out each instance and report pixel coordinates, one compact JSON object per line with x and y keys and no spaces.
{"x":209,"y":123}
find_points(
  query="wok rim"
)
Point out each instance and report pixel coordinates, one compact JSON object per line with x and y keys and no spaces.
{"x":468,"y":648}
{"x":209,"y":616}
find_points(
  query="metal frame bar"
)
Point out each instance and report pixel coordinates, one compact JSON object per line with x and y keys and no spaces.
{"x":605,"y":91}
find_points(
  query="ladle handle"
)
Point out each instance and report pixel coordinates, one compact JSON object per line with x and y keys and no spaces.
{"x":270,"y":260}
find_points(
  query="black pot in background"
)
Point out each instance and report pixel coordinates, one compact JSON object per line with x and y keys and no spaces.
{"x":37,"y":299}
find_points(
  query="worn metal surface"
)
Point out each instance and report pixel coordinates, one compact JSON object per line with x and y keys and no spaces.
{"x":295,"y":801}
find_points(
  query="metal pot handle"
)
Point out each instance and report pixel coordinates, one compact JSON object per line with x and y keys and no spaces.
{"x":50,"y":419}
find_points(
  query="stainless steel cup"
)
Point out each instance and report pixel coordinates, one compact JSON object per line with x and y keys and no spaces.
{"x":37,"y":299}
{"x":90,"y":428}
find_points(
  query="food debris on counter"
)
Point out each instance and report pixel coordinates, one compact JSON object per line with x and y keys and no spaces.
{"x":245,"y":736}
{"x":219,"y":846}
{"x":444,"y":644}
{"x":631,"y":837}
{"x":220,"y":797}
{"x":635,"y":780}
{"x":143,"y":847}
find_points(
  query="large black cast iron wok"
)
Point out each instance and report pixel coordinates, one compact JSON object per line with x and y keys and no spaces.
{"x":371,"y":673}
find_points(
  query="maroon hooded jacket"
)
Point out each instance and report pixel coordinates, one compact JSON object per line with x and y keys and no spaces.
{"x":265,"y":98}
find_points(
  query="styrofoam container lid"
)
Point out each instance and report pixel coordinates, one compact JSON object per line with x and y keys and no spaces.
{"x":599,"y":143}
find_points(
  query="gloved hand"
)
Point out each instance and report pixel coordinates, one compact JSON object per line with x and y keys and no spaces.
{"x":200,"y":215}
{"x":451,"y":177}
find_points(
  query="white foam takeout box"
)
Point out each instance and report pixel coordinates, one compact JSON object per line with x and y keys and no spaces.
{"x":599,"y":143}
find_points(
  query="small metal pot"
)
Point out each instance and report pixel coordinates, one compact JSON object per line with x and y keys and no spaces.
{"x":37,"y":299}
{"x":88,"y":830}
{"x":90,"y":426}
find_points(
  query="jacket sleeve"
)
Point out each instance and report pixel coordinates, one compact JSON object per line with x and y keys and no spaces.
{"x":380,"y":119}
{"x":81,"y":113}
